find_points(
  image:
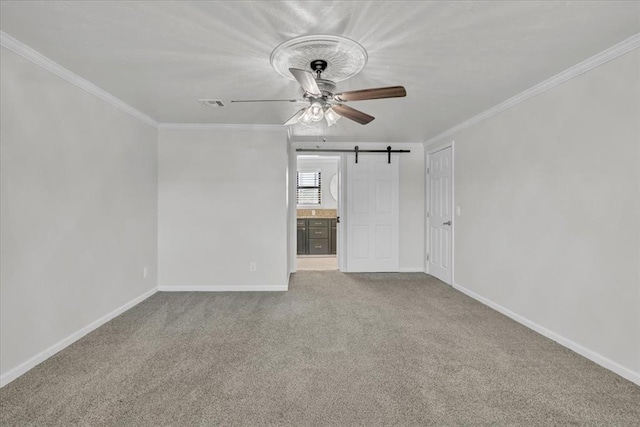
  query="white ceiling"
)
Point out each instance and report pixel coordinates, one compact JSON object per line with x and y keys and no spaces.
{"x":455,"y":59}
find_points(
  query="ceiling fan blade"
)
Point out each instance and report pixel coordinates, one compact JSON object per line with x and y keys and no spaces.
{"x":268,"y":100}
{"x":352,"y":114}
{"x":377,"y":93}
{"x":294,"y":119}
{"x":306,"y":80}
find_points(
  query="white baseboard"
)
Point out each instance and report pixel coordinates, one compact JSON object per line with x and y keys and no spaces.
{"x":411,"y":270}
{"x":65,"y":342}
{"x":583,"y":351}
{"x":225,"y":288}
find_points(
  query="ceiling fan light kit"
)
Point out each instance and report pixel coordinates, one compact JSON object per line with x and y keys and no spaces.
{"x":317,"y":62}
{"x":331,"y":116}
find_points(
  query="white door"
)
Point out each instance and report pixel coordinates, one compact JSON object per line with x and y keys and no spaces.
{"x":372,"y":207}
{"x":339,"y":215}
{"x":440,"y":214}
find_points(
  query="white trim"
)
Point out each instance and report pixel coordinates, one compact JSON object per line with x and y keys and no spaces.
{"x":65,"y":342}
{"x":583,"y":351}
{"x":454,"y":216}
{"x":293,"y":210}
{"x":220,"y":126}
{"x":57,"y":69}
{"x":302,"y":141}
{"x":411,"y":270}
{"x":341,"y":213}
{"x":603,"y":57}
{"x":321,"y":158}
{"x":225,"y":288}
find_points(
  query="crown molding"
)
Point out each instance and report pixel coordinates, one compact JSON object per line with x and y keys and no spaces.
{"x":220,"y":126}
{"x":39,"y":59}
{"x":603,"y":57}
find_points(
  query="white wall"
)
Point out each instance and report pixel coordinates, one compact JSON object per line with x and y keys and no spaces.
{"x":550,"y":212}
{"x":328,"y":167}
{"x":412,"y":207}
{"x":78,"y":210}
{"x":412,"y":192}
{"x":222,"y":205}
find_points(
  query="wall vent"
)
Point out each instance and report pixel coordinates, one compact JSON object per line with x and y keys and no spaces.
{"x":214,"y":103}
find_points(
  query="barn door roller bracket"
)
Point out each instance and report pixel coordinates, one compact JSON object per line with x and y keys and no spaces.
{"x":356,"y":150}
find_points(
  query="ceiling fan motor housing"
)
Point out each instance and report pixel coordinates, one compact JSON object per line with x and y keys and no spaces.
{"x":318,"y":65}
{"x":327,"y":87}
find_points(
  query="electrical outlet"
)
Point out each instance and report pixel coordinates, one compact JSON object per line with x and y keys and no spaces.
{"x":145,"y":272}
{"x":252,"y":266}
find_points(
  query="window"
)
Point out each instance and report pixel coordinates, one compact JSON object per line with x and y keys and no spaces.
{"x":309,"y":188}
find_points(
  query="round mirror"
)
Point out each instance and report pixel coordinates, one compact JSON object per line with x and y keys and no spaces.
{"x":333,"y":187}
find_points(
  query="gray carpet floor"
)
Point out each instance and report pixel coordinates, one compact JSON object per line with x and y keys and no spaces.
{"x":337,"y":349}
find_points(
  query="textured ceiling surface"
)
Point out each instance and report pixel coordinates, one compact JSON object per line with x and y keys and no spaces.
{"x":456,"y":59}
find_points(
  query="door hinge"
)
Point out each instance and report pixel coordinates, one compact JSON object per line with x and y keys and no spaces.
{"x":428,"y":214}
{"x":428,"y":170}
{"x":427,"y":257}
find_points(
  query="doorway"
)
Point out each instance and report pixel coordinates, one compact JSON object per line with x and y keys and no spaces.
{"x":317,"y":212}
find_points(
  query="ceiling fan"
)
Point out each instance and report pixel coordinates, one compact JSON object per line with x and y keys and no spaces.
{"x":324,"y":103}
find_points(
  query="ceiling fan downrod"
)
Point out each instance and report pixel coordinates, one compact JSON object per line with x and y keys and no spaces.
{"x":318,"y":66}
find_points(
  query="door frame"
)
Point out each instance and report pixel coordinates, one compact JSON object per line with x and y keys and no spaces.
{"x":293,"y":214}
{"x":429,"y":152}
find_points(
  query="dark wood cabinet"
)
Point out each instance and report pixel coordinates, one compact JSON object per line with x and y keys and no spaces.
{"x":316,"y":236}
{"x":302,"y":237}
{"x":318,"y":246}
{"x":333,"y":237}
{"x":318,"y":222}
{"x":318,"y":233}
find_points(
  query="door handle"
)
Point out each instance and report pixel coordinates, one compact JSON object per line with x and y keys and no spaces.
{"x":446,"y":223}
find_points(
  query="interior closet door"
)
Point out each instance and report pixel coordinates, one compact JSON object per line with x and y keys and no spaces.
{"x":440,"y":220}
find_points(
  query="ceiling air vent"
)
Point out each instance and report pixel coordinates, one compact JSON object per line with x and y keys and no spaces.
{"x":214,"y":103}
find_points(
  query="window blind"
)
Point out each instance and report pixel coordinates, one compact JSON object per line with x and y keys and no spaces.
{"x":309,"y":188}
